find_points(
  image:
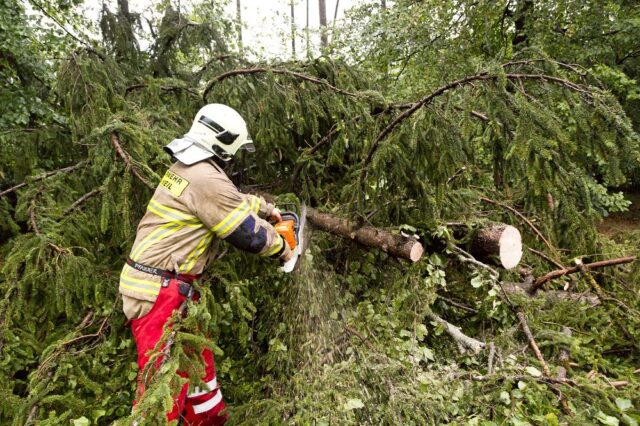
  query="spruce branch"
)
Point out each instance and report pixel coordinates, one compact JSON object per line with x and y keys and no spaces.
{"x":545,"y":257}
{"x":42,"y":176}
{"x":575,"y":68}
{"x":539,"y":282}
{"x":523,"y":378}
{"x":464,"y":256}
{"x":465,"y":81}
{"x":64,"y":345}
{"x":523,"y":218}
{"x":280,"y":71}
{"x":363,"y":339}
{"x":115,"y":141}
{"x":81,"y":200}
{"x":166,"y":88}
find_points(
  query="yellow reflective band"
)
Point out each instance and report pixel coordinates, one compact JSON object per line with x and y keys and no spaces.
{"x":157,"y":235}
{"x":255,"y":204}
{"x":275,"y":248}
{"x":135,"y":287}
{"x":172,"y":215}
{"x":196,"y":253}
{"x":232,"y":219}
{"x":135,"y":284}
{"x":176,"y":184}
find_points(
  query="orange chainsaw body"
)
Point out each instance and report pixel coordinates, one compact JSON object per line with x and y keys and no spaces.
{"x":288,"y":227}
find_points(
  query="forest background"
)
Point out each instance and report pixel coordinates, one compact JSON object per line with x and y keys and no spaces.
{"x":433,"y":118}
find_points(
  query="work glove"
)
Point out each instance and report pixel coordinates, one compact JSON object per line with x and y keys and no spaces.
{"x":275,"y":215}
{"x":287,"y":253}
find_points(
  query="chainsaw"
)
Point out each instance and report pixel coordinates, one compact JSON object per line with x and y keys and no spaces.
{"x":291,"y":228}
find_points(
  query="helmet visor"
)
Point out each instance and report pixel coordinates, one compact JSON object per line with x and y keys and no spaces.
{"x":221,"y":153}
{"x":248,"y":146}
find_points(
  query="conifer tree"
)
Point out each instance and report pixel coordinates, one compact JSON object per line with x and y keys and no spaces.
{"x":449,"y":124}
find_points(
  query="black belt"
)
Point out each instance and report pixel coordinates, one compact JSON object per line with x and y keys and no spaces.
{"x":184,"y":285}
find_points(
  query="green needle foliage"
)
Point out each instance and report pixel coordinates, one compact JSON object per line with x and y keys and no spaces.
{"x":435,"y":115}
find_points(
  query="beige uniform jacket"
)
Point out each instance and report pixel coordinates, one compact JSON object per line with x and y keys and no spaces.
{"x":192,"y":208}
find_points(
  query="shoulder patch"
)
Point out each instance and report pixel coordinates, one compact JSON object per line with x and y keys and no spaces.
{"x":176,"y":184}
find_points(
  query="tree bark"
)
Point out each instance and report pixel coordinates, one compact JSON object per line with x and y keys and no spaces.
{"x":552,"y":296}
{"x":561,"y":272}
{"x":293,"y":31}
{"x":462,"y":339}
{"x":369,"y":236}
{"x":498,"y":241}
{"x":239,"y":19}
{"x":322,"y":6}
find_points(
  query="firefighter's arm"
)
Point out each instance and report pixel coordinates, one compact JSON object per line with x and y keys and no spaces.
{"x":260,"y":206}
{"x":231,"y":216}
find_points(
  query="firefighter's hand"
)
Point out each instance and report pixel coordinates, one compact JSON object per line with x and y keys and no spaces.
{"x":276,"y":216}
{"x":287,"y":253}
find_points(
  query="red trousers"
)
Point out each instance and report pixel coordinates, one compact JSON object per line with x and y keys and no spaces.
{"x":202,"y":407}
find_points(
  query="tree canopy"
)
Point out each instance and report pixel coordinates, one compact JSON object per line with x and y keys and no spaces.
{"x":426,"y":118}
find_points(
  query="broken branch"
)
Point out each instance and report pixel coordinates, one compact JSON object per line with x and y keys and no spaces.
{"x":562,"y":272}
{"x":532,"y":343}
{"x":454,"y":331}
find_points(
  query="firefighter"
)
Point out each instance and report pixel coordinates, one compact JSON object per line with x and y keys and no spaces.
{"x":193,"y":208}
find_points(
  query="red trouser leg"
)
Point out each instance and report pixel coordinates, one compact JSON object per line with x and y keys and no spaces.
{"x":200,"y":407}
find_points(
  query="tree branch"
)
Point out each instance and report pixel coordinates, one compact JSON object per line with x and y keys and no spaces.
{"x":251,"y":71}
{"x":455,"y":332}
{"x":115,"y":141}
{"x":521,"y":216}
{"x":81,"y":200}
{"x":483,"y":76}
{"x":532,"y":342}
{"x":43,"y":176}
{"x":562,"y":272}
{"x":86,"y":44}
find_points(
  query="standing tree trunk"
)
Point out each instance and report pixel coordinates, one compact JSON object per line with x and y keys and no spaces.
{"x":239,"y":19}
{"x":322,"y":6}
{"x":306,"y":31}
{"x":522,"y":19}
{"x":293,"y":31}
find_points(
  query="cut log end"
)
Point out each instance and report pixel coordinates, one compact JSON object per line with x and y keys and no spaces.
{"x":416,"y":252}
{"x":499,"y":243}
{"x":510,"y":247}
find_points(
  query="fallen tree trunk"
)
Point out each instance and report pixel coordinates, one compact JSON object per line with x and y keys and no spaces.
{"x":498,"y":241}
{"x":394,"y":244}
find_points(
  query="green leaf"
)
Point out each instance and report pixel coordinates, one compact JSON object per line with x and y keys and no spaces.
{"x":476,"y":282}
{"x":353,"y":404}
{"x":81,"y":421}
{"x":607,"y":420}
{"x":505,"y":398}
{"x":533,"y":371}
{"x":628,"y":420}
{"x":623,"y":404}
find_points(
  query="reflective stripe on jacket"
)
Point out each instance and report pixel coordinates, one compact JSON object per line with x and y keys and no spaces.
{"x":192,"y":208}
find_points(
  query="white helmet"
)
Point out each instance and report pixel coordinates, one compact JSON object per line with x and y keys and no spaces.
{"x":217,"y":130}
